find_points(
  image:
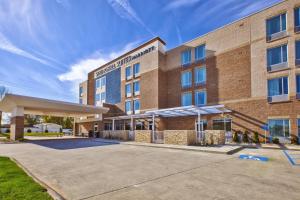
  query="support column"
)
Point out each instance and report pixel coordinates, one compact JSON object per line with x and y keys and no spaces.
{"x":17,"y":124}
{"x":153,"y":127}
{"x":113,"y":124}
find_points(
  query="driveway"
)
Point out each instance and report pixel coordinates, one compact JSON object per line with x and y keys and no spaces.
{"x":89,"y":169}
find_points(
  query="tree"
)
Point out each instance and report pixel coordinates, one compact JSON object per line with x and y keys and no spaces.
{"x":31,"y":120}
{"x":3,"y":91}
{"x":65,"y":122}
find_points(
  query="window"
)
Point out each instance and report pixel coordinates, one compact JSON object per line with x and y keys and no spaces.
{"x":128,"y":107}
{"x":297,"y":17}
{"x":200,"y":98}
{"x":107,"y":126}
{"x":297,"y":48}
{"x":103,"y":97}
{"x":186,"y":99}
{"x":80,"y":91}
{"x":128,"y":73}
{"x":101,"y":82}
{"x":278,"y":86}
{"x":186,"y":79}
{"x":279,"y":127}
{"x":136,"y":69}
{"x":218,"y":124}
{"x":128,"y":90}
{"x":136,"y":88}
{"x":80,"y":101}
{"x":276,"y":24}
{"x":200,"y":76}
{"x":298,"y":130}
{"x":277,"y":55}
{"x":136,"y":106}
{"x":98,"y":97}
{"x":298,"y":84}
{"x":200,"y":52}
{"x":186,"y":57}
{"x":203,"y":125}
{"x":98,"y":83}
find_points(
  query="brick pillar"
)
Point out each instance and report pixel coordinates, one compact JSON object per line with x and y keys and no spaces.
{"x":17,"y":124}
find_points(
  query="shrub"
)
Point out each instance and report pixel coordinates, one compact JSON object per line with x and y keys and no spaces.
{"x":60,"y":130}
{"x":29,"y":130}
{"x":46,"y":131}
{"x":275,"y":140}
{"x":235,"y":136}
{"x":294,"y":139}
{"x":246,"y":137}
{"x":256,"y":138}
{"x":7,"y":131}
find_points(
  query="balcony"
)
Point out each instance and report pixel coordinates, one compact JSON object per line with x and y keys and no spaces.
{"x":276,"y":36}
{"x":278,"y":98}
{"x":277,"y":67}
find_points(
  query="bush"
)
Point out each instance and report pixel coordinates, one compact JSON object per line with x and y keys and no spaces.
{"x":7,"y":131}
{"x":46,"y":131}
{"x":294,"y":139}
{"x":246,"y":137}
{"x":28,"y":130}
{"x":256,"y":138}
{"x":275,"y":140}
{"x":60,"y":130}
{"x":235,"y":137}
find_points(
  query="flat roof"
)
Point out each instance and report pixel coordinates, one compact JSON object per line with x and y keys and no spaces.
{"x":40,"y":106}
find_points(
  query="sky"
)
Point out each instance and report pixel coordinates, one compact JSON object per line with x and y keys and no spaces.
{"x":47,"y":47}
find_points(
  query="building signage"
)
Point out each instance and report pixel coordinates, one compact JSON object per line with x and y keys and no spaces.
{"x":123,"y":61}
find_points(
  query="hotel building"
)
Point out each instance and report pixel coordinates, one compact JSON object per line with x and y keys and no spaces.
{"x":251,"y":66}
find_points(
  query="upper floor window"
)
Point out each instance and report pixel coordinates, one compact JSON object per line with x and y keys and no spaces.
{"x":186,"y":99}
{"x":136,"y":106}
{"x":298,"y":84}
{"x":200,"y":75}
{"x":128,"y":73}
{"x":98,"y":97}
{"x":136,"y":69}
{"x":186,"y":79}
{"x":80,"y":101}
{"x":279,"y":127}
{"x":128,"y":90}
{"x":128,"y":107}
{"x":186,"y":57}
{"x":136,"y":88}
{"x":297,"y":18}
{"x":297,"y":48}
{"x":276,"y":24}
{"x":278,"y":86}
{"x":101,"y":82}
{"x":277,"y":55}
{"x":103,"y":97}
{"x":200,"y":98}
{"x":80,"y":91}
{"x":200,"y":52}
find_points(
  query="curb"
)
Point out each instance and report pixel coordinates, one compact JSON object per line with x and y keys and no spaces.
{"x":54,"y":194}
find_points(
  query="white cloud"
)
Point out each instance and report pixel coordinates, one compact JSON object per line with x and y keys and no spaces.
{"x":78,"y":71}
{"x":180,"y":3}
{"x":125,"y":10}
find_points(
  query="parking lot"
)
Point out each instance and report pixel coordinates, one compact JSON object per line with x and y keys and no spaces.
{"x":89,"y":169}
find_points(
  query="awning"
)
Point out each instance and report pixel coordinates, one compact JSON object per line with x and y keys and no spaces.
{"x":39,"y":106}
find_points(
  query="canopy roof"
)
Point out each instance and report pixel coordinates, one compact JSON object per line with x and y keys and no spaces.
{"x":178,"y":112}
{"x":39,"y":106}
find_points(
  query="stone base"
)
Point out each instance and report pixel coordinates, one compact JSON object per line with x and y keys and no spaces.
{"x":143,"y":136}
{"x":180,"y":137}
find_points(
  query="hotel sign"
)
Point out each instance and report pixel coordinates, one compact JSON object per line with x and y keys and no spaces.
{"x":123,"y":61}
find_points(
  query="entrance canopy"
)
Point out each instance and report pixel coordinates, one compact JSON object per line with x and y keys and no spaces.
{"x":189,"y":111}
{"x":39,"y":106}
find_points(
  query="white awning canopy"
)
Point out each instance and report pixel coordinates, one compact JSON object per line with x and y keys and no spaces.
{"x":189,"y":111}
{"x":39,"y":106}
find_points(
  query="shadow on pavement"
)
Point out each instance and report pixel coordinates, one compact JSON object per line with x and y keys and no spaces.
{"x":66,"y":144}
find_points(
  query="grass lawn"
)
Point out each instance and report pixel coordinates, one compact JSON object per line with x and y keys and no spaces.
{"x":44,"y":134}
{"x":15,"y":184}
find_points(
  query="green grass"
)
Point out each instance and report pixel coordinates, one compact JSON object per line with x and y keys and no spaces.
{"x":44,"y":134}
{"x":15,"y":184}
{"x":4,"y":134}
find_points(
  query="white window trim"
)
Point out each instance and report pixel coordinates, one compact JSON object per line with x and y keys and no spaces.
{"x":286,"y":17}
{"x":203,"y":82}
{"x":205,"y":97}
{"x":130,"y":111}
{"x":191,"y":83}
{"x":182,"y":94}
{"x":198,"y":59}
{"x":136,"y":111}
{"x":128,"y":94}
{"x":283,"y":127}
{"x":288,"y":82}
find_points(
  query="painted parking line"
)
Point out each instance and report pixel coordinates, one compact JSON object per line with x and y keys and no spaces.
{"x":293,"y":157}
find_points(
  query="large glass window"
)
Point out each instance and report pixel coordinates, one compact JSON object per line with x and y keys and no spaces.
{"x":200,"y":75}
{"x":136,"y":105}
{"x":128,"y":107}
{"x":278,"y":86}
{"x":128,"y":73}
{"x":200,"y":52}
{"x":186,"y":57}
{"x":128,"y":90}
{"x":297,"y":48}
{"x":276,"y":24}
{"x":279,"y":127}
{"x":136,"y":88}
{"x":297,"y":17}
{"x":186,"y":99}
{"x":186,"y":79}
{"x":277,"y":55}
{"x":298,"y":84}
{"x":200,"y":98}
{"x":219,"y":124}
{"x":98,"y":97}
{"x":103,"y":97}
{"x":136,"y":69}
{"x":101,"y":82}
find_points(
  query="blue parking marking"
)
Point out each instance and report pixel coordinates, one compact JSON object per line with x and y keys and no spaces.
{"x":257,"y":158}
{"x":292,"y":158}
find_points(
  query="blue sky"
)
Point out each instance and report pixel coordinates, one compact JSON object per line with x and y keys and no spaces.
{"x":48,"y":46}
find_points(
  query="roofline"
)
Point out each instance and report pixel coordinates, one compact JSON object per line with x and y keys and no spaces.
{"x":129,"y":52}
{"x":235,"y":21}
